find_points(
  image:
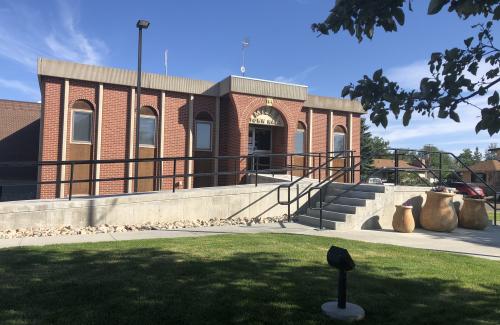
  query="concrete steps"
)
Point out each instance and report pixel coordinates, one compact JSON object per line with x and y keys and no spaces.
{"x":344,"y":206}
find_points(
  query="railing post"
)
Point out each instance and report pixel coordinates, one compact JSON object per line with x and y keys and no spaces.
{"x":289,"y":204}
{"x":160,"y":175}
{"x":353,"y":168}
{"x":440,"y":168}
{"x":175,"y":174}
{"x":319,"y":177}
{"x":495,"y":209}
{"x":70,"y":195}
{"x":298,"y":205}
{"x":396,"y":167}
{"x":234,"y":172}
{"x":320,"y":208}
{"x":291,"y":166}
{"x":256,"y":167}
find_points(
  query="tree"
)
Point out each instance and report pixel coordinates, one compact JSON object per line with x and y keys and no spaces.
{"x":455,"y":78}
{"x":466,"y":157}
{"x":478,"y":156}
{"x":371,"y":146}
{"x":490,"y":155}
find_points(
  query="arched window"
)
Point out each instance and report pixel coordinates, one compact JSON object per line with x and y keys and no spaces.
{"x":203,"y":132}
{"x":147,"y":127}
{"x":82,"y":117}
{"x":300,"y":138}
{"x":339,"y":141}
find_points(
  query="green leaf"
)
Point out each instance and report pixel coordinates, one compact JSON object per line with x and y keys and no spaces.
{"x":494,"y":99}
{"x":377,"y":74}
{"x":346,"y":90}
{"x":400,"y":16}
{"x":454,"y":116}
{"x":407,"y":117}
{"x":468,"y":41}
{"x":435,"y":6}
{"x":442,"y":113}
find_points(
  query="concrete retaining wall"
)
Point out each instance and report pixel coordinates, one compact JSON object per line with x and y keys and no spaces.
{"x":204,"y":203}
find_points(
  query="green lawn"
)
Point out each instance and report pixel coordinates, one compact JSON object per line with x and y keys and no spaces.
{"x":264,"y":278}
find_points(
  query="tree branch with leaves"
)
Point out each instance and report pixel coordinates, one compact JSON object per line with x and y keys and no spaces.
{"x":458,"y":76}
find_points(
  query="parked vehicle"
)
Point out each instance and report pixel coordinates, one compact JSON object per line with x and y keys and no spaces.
{"x":470,"y":189}
{"x":375,"y":180}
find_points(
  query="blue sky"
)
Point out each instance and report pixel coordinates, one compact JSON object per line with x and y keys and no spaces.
{"x":203,"y":39}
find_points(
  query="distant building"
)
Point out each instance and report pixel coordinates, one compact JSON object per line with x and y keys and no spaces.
{"x":488,"y":171}
{"x":19,"y":141}
{"x":387,"y":168}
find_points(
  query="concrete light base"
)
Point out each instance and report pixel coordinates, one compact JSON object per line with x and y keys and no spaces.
{"x":351,"y":313}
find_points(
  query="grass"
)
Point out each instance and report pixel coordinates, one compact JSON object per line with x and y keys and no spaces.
{"x":263,"y":278}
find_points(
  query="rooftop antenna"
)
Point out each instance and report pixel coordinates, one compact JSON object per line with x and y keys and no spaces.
{"x":244,"y":44}
{"x":166,"y":62}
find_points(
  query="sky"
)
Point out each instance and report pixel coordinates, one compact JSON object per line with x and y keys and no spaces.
{"x":203,"y":39}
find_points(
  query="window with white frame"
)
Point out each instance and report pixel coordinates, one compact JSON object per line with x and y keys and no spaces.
{"x":203,"y":134}
{"x":82,"y":126}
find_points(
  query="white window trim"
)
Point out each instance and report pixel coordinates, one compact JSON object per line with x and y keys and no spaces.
{"x":153,"y":117}
{"x":210,"y":123}
{"x":87,"y":111}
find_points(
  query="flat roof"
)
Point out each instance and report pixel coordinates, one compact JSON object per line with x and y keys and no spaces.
{"x":238,"y":84}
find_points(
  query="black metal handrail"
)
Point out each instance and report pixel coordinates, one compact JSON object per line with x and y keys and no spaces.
{"x":325,"y":165}
{"x":158,"y":175}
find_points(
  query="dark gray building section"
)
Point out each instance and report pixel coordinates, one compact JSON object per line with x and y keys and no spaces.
{"x":19,"y":141}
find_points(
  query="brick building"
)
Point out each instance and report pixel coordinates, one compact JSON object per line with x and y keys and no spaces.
{"x":19,"y":130}
{"x":88,"y":112}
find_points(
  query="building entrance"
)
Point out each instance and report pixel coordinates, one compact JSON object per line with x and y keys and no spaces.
{"x":259,"y":142}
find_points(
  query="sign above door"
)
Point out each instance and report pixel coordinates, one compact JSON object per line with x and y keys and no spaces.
{"x":267,"y":116}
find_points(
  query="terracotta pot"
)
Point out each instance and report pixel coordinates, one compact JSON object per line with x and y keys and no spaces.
{"x":438,"y":212}
{"x":473,"y":214}
{"x":402,"y":220}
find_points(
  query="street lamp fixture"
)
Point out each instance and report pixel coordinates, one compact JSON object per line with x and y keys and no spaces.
{"x":141,"y":24}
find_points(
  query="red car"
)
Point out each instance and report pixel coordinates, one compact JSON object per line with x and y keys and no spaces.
{"x":470,"y":189}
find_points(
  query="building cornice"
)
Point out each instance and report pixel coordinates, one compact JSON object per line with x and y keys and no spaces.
{"x":236,"y":84}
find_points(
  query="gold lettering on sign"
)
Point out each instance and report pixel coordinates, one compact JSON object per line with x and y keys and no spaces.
{"x":267,"y":116}
{"x":269,"y":102}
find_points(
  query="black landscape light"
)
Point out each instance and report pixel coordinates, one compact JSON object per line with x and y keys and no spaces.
{"x":141,"y":24}
{"x":340,"y":259}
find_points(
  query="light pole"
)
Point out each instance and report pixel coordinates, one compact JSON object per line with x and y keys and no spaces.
{"x":141,"y":24}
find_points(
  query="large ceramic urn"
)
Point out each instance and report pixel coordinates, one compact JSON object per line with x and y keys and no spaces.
{"x":402,"y":220}
{"x":473,"y":214}
{"x":438,"y":212}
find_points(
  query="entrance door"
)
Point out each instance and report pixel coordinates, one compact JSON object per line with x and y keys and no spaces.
{"x":259,"y":142}
{"x":339,"y":145}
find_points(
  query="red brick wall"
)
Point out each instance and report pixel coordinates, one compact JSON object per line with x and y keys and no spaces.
{"x":235,"y":112}
{"x":50,"y":131}
{"x":114,"y":136}
{"x":175,"y":141}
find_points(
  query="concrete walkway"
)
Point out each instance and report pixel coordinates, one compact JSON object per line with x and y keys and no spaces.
{"x":484,"y":244}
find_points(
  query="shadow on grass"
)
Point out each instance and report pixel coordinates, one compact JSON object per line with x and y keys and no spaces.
{"x":158,"y":285}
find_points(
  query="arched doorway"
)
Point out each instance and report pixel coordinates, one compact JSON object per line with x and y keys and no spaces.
{"x":148,"y":128}
{"x":81,"y":145}
{"x":266,"y":135}
{"x":300,"y":143}
{"x":339,"y":144}
{"x":203,"y":148}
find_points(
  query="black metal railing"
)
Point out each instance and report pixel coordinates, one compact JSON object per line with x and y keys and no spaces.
{"x":237,"y":166}
{"x":396,"y":170}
